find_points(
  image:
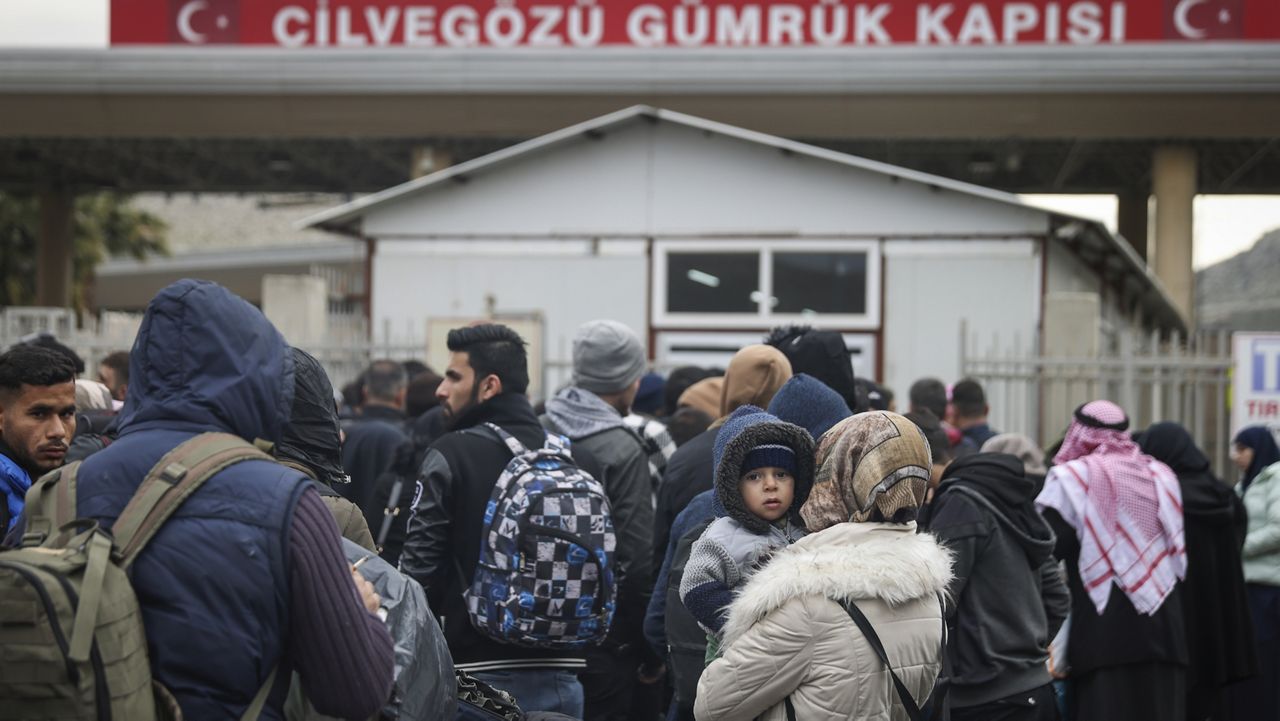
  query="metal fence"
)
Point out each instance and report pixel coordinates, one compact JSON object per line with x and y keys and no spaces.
{"x":345,"y":352}
{"x":1153,"y":377}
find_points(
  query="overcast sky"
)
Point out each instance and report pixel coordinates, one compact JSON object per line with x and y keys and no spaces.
{"x":1224,"y":225}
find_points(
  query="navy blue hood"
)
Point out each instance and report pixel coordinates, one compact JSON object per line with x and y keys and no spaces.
{"x":205,"y":360}
{"x":810,"y":404}
{"x":748,"y":427}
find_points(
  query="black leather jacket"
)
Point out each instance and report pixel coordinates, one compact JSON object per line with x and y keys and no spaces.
{"x":442,"y":545}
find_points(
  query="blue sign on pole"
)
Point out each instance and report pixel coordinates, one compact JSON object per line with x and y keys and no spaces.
{"x":1266,"y":365}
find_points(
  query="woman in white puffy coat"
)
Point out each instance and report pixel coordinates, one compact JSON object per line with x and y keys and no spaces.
{"x":788,"y":636}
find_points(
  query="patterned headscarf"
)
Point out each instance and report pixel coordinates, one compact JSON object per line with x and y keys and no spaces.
{"x":1126,"y":508}
{"x":877,"y":460}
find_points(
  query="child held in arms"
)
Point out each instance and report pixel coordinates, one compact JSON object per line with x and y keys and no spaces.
{"x":764,"y":470}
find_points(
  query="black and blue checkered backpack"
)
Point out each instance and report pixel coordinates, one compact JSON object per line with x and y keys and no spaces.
{"x":545,"y":577}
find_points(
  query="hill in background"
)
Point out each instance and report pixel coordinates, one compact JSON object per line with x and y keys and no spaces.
{"x":1242,"y":292}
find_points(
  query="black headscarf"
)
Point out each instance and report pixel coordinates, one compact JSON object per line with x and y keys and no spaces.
{"x":1265,"y":452}
{"x":1219,"y":629}
{"x":823,"y":355}
{"x":312,"y":437}
{"x":1202,"y":493}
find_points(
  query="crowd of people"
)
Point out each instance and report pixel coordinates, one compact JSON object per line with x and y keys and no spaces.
{"x":771,"y":539}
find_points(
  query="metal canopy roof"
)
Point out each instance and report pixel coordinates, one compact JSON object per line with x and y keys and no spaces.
{"x":1213,"y":67}
{"x":370,"y":164}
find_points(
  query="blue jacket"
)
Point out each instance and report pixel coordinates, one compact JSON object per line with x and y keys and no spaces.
{"x":702,"y":508}
{"x":213,"y":583}
{"x":14,"y":483}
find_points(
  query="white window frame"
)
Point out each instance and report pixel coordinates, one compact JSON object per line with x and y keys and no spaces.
{"x":763,"y":317}
{"x":715,"y":348}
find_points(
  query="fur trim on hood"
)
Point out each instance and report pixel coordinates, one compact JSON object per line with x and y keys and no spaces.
{"x":849,"y":561}
{"x":747,"y":428}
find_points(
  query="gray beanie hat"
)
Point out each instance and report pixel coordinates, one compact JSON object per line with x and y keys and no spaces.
{"x":607,"y":357}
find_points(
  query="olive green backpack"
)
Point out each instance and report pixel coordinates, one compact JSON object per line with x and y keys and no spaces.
{"x":72,"y":641}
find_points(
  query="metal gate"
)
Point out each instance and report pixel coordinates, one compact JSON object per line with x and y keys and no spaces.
{"x":1154,"y":378}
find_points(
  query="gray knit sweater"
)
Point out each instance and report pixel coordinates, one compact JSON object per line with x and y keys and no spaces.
{"x":722,"y":559}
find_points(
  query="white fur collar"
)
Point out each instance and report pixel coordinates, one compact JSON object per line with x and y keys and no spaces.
{"x":847,"y":561}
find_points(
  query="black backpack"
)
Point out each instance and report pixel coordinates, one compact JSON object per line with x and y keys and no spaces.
{"x":392,"y":500}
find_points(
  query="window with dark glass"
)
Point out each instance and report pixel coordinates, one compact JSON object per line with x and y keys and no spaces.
{"x":820,"y":282}
{"x":713,"y":282}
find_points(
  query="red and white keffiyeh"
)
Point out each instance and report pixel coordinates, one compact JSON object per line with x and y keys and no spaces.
{"x":1126,"y":508}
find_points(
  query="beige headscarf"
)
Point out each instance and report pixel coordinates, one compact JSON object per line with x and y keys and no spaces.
{"x":92,"y":396}
{"x":877,"y":460}
{"x":754,"y":376}
{"x":704,"y":396}
{"x":1016,"y":444}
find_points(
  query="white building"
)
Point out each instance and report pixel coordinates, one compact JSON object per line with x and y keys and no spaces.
{"x":702,"y":236}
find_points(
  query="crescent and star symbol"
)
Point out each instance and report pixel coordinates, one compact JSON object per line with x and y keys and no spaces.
{"x":1182,"y":21}
{"x":185,"y":16}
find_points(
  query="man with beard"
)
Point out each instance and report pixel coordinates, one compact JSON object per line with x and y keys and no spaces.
{"x":37,"y":421}
{"x":484,"y":383}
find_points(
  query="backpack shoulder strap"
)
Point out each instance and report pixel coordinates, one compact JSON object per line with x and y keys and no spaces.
{"x":171,"y":481}
{"x":513,"y":444}
{"x":557,"y":443}
{"x":50,"y":505}
{"x":869,"y":632}
{"x":260,"y":699}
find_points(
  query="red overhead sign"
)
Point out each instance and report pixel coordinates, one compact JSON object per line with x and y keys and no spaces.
{"x":686,"y":23}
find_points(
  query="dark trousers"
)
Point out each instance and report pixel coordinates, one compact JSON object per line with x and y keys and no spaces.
{"x":1135,"y":692}
{"x":1259,"y":697}
{"x":1038,"y":704}
{"x":609,"y":684}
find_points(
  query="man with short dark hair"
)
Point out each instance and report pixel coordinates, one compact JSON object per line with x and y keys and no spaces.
{"x":928,"y":400}
{"x":928,"y":394}
{"x":421,"y":394}
{"x":969,"y":412}
{"x":49,"y":341}
{"x":113,"y":372}
{"x":375,"y":436}
{"x":485,"y":382}
{"x":37,"y":421}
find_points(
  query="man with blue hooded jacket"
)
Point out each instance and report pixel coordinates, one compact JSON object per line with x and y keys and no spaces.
{"x":249,"y":574}
{"x":37,"y":421}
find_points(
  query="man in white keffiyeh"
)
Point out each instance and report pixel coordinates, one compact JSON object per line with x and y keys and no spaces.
{"x":1125,"y":507}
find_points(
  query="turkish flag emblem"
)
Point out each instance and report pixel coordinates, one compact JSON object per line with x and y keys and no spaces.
{"x":1204,"y":19}
{"x":204,"y":22}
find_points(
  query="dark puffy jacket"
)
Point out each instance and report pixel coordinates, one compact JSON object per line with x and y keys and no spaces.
{"x":691,"y":471}
{"x":389,"y":505}
{"x":213,"y":584}
{"x":372,"y":442}
{"x":442,"y":545}
{"x":668,"y":626}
